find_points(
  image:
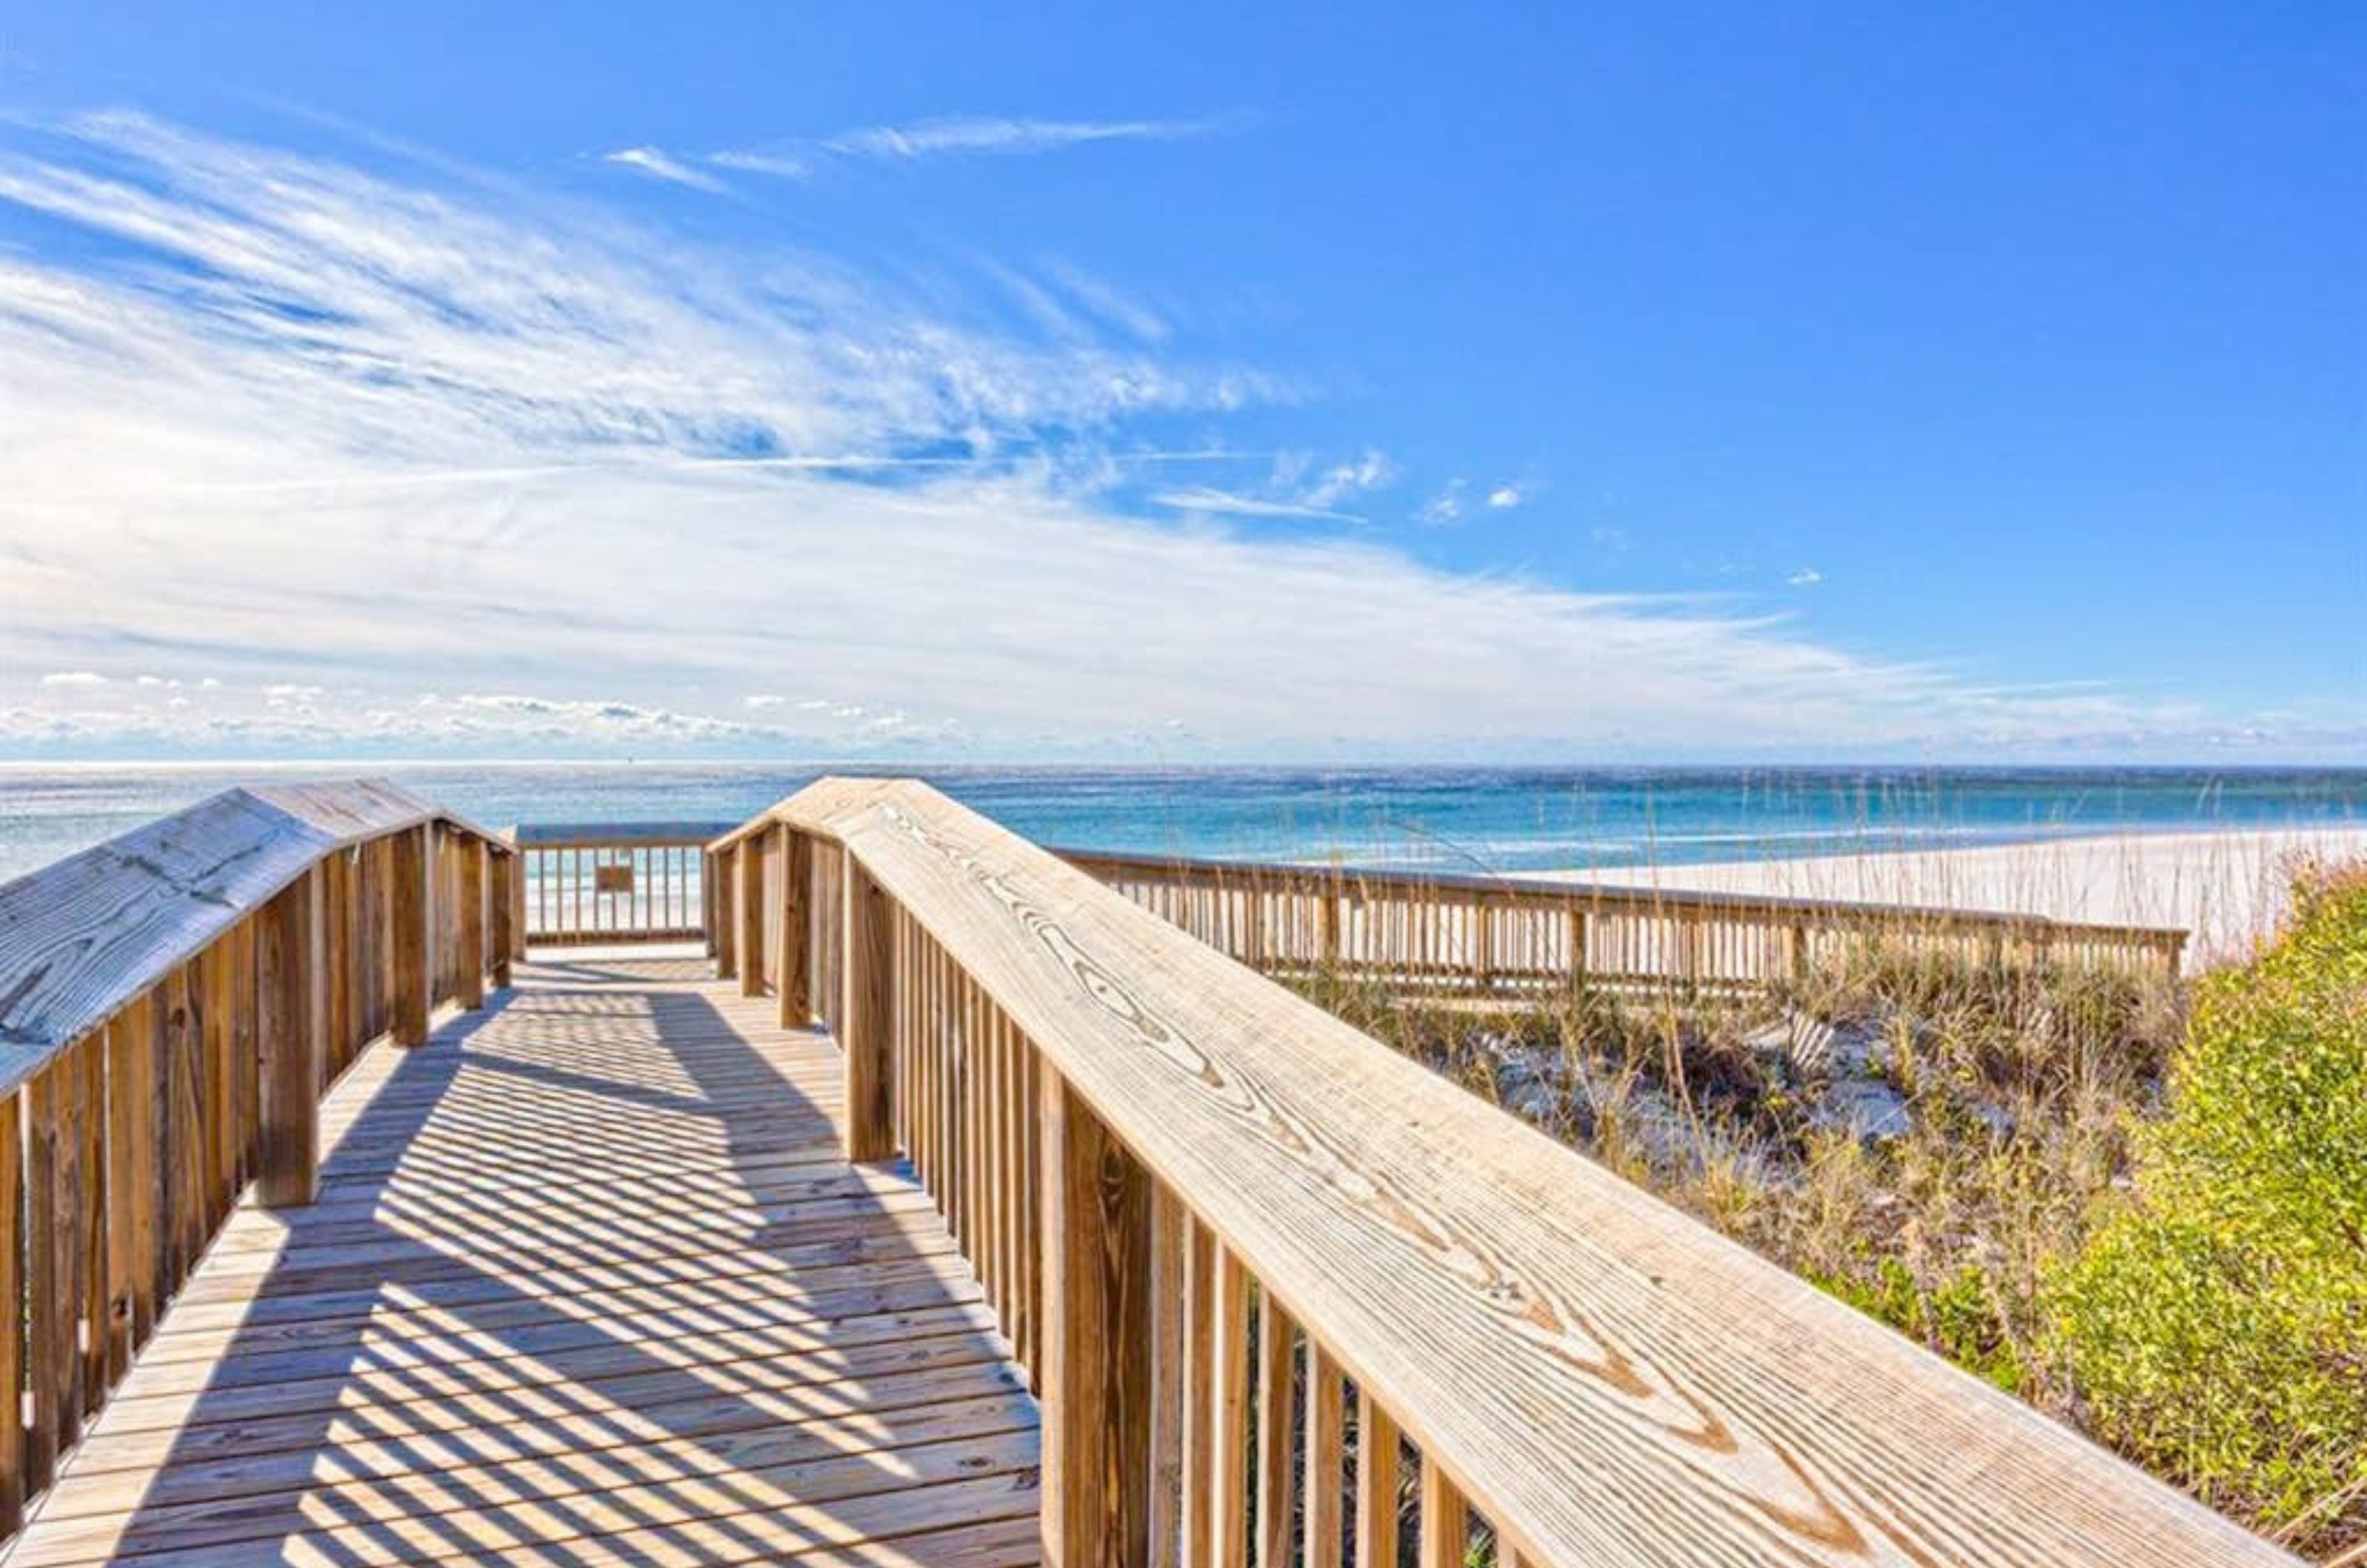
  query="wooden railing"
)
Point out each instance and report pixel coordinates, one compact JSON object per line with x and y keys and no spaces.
{"x":611,"y":881}
{"x":173,"y":1004}
{"x":1285,"y":1295}
{"x":1483,"y":935}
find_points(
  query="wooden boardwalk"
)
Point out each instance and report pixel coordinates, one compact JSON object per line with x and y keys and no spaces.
{"x":588,"y":1284}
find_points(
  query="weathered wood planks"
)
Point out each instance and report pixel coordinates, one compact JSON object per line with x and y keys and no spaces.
{"x":588,"y":1281}
{"x":82,"y":938}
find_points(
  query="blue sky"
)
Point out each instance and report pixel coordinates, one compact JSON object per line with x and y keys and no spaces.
{"x":1361,"y":381}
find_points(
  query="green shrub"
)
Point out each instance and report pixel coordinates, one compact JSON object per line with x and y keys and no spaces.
{"x":2215,"y":1327}
{"x":1959,"y":1319}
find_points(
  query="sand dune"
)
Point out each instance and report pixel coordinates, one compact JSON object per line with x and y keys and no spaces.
{"x":2228,"y":888}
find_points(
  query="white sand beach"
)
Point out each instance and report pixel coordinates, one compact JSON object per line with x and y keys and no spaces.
{"x":2227,"y":888}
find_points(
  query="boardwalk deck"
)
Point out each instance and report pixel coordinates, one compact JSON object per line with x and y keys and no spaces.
{"x":588,"y":1282}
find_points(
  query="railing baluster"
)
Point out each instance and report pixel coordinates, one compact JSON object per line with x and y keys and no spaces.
{"x":1200,"y":1397}
{"x":1169,"y":1377}
{"x":1228,"y":1405}
{"x":748,"y":908}
{"x":289,"y":985}
{"x":48,"y":1320}
{"x":1445,"y":1518}
{"x":1097,"y":1374}
{"x":89,"y":1072}
{"x":131,"y":1183}
{"x":468,"y":987}
{"x":1277,"y":1481}
{"x":796,"y":937}
{"x":1378,"y":1459}
{"x":1326,"y":1460}
{"x":14,"y":1489}
{"x":865,"y":1036}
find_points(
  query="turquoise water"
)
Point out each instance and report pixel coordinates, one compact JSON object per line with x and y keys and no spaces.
{"x":1443,"y":819}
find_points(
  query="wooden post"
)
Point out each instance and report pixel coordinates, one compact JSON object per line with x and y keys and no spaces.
{"x":796,"y":929}
{"x":867,"y":973}
{"x":1097,"y":1340}
{"x":748,"y":912}
{"x":722,"y":924}
{"x":407,"y":939}
{"x":500,"y":873}
{"x":469,"y":981}
{"x":291,"y":997}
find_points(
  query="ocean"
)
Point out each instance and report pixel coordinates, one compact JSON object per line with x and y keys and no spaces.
{"x":1449,"y":818}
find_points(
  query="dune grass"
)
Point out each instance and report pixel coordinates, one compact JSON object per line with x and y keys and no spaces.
{"x":2010,"y":1165}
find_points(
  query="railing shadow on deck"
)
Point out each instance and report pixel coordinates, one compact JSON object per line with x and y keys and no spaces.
{"x":491,"y":1361}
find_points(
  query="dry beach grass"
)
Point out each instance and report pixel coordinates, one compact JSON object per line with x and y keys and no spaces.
{"x":1943,"y":1145}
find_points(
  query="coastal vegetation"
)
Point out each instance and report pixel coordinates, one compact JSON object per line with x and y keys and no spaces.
{"x":2138,"y":1203}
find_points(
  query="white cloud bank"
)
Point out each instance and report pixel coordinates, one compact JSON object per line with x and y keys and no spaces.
{"x":435,"y":468}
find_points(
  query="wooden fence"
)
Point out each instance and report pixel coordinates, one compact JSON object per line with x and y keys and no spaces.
{"x":173,"y":1004}
{"x":611,"y":881}
{"x":1287,"y":1296}
{"x":1484,"y":935}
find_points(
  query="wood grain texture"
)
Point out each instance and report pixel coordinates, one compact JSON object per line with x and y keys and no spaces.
{"x":1609,"y":1380}
{"x":81,"y":938}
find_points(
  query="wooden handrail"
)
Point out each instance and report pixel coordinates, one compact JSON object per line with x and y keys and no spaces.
{"x":1139,"y":1142}
{"x":173,"y":1004}
{"x":1487,"y":935}
{"x":1539,"y":893}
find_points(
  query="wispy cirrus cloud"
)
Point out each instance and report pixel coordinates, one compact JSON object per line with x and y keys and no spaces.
{"x":387,"y":459}
{"x":959,"y":135}
{"x":1212,"y":501}
{"x":779,"y":165}
{"x":943,"y":136}
{"x":1294,"y":489}
{"x":660,"y":166}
